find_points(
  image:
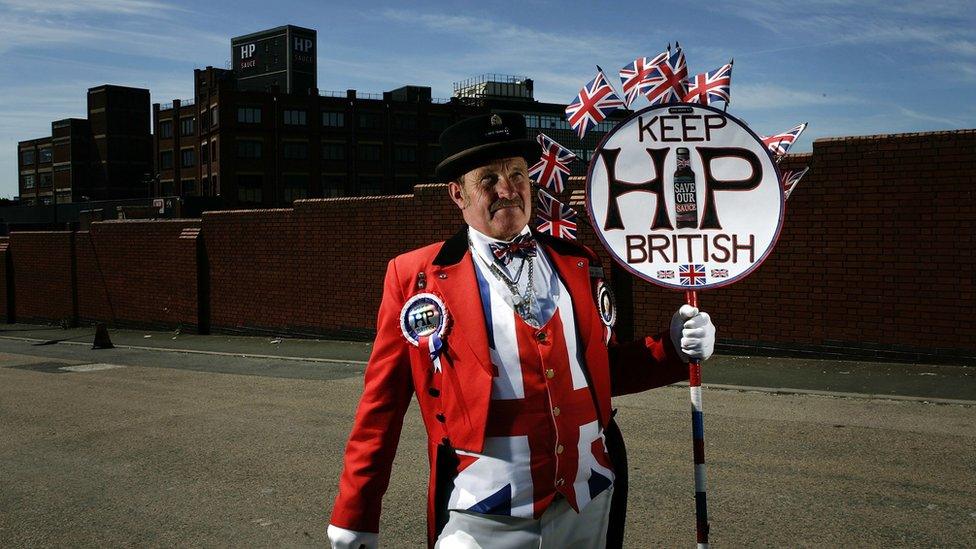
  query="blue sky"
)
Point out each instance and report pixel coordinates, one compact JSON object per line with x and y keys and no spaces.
{"x":847,"y":67}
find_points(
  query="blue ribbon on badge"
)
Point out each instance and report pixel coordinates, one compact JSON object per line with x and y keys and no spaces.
{"x":434,"y":346}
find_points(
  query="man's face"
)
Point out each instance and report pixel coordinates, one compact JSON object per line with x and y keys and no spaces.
{"x":495,"y":199}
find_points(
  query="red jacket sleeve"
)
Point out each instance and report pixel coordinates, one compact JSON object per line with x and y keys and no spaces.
{"x":644,"y":364}
{"x":379,"y":418}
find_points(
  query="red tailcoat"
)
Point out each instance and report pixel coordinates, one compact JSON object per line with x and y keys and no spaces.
{"x":454,"y":403}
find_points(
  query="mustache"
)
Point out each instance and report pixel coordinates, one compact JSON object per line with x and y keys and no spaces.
{"x":505,"y":203}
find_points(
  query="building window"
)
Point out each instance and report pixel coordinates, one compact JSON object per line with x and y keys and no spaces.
{"x":333,"y":186}
{"x":166,"y":187}
{"x":27,"y":158}
{"x":434,"y":154}
{"x":28,"y":181}
{"x":45,"y":155}
{"x":532,"y":120}
{"x":187,"y":158}
{"x":249,"y":188}
{"x":294,"y":150}
{"x":187,"y":126}
{"x":333,"y":119}
{"x":405,"y":122}
{"x":166,"y":129}
{"x":249,"y":148}
{"x":333,"y":151}
{"x":370,"y":185}
{"x":166,"y":160}
{"x":294,"y":117}
{"x":369,"y":152}
{"x":189,"y":187}
{"x":63,"y":197}
{"x":405,"y":154}
{"x":439,"y":123}
{"x":214,"y":116}
{"x":370,"y":121}
{"x":213,"y":150}
{"x":295,"y":187}
{"x":204,"y":152}
{"x":249,"y":115}
{"x":45,"y":180}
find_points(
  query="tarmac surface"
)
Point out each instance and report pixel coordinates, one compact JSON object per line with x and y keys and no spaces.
{"x":202,"y":441}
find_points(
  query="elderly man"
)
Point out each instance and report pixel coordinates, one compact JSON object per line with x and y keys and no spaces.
{"x":496,"y":332}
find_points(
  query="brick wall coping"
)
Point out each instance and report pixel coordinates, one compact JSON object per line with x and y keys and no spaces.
{"x":895,"y":135}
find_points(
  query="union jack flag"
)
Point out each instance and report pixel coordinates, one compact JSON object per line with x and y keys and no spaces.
{"x":633,"y":77}
{"x":720,"y":273}
{"x":780,"y":143}
{"x":711,"y":86}
{"x":667,"y":79}
{"x":691,"y":275}
{"x":556,"y":218}
{"x":595,"y":101}
{"x":551,"y":170}
{"x":791,"y":178}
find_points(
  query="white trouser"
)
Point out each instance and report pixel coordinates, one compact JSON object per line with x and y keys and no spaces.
{"x":559,"y":527}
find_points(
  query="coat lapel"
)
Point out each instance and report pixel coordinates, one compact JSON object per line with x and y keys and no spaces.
{"x":574,"y":271}
{"x":456,"y":280}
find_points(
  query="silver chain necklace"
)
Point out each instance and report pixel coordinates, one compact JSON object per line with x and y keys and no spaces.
{"x":521,"y":302}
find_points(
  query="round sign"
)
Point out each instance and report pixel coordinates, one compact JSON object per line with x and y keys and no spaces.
{"x":423,"y":315}
{"x":606,"y":304}
{"x":685,"y":196}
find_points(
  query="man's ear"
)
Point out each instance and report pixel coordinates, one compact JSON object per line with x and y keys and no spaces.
{"x":457,"y":194}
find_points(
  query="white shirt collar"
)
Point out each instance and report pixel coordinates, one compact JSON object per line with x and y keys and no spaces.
{"x":480,"y":242}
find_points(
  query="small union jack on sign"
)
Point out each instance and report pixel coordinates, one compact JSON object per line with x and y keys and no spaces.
{"x":691,"y":275}
{"x":665,"y":274}
{"x":593,"y":104}
{"x":556,"y":218}
{"x":551,"y":170}
{"x":780,"y":143}
{"x":709,"y":87}
{"x":667,"y":80}
{"x":720,"y":273}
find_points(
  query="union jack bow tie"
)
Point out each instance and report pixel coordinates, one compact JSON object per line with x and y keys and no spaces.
{"x":522,"y":246}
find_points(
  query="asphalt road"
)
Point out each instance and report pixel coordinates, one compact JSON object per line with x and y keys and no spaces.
{"x":210,"y":448}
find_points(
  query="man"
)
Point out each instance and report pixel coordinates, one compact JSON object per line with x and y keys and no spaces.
{"x":497,"y":333}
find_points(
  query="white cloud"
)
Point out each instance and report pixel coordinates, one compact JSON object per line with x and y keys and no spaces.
{"x":773,"y":96}
{"x":127,"y":7}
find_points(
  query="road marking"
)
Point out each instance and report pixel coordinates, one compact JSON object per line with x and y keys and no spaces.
{"x":198,"y":352}
{"x":837,"y":394}
{"x":91,"y":367}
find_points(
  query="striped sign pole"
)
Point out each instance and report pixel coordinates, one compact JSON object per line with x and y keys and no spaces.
{"x":698,"y":435}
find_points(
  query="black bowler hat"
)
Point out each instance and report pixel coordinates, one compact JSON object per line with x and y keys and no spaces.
{"x":476,"y":141}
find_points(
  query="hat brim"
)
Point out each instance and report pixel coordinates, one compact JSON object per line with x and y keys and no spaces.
{"x":461,"y":163}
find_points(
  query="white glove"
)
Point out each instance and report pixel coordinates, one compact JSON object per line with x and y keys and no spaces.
{"x":350,"y":539}
{"x":692,"y":333}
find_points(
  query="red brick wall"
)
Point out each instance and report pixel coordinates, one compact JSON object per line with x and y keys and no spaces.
{"x":320,"y":266}
{"x":4,"y":277}
{"x":875,"y":253}
{"x":138,"y":272}
{"x":42,"y":275}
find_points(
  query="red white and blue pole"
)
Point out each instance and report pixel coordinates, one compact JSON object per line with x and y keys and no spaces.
{"x":698,"y":439}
